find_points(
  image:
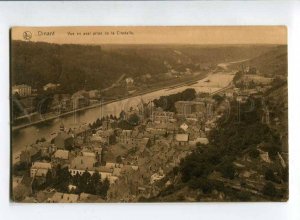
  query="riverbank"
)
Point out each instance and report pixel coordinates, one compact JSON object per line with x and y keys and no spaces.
{"x":27,"y":134}
{"x":140,"y":93}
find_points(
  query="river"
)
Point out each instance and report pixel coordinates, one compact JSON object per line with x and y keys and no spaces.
{"x":26,"y":136}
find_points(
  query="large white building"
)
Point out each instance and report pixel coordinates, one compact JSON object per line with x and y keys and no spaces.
{"x":50,"y":86}
{"x":40,"y":169}
{"x":83,"y":163}
{"x":23,"y":90}
{"x":160,"y":116}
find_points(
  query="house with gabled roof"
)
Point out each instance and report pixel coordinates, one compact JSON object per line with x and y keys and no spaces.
{"x":182,"y":139}
{"x":40,"y":168}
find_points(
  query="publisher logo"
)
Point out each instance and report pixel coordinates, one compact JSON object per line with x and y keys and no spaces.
{"x":27,"y":35}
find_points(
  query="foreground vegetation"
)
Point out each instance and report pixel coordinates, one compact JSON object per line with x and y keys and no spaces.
{"x":238,"y":134}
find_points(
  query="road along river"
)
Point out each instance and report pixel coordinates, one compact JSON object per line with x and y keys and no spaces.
{"x":28,"y":135}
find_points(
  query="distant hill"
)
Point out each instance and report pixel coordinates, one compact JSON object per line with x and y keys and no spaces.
{"x":75,"y":66}
{"x":271,"y":63}
{"x":96,"y":67}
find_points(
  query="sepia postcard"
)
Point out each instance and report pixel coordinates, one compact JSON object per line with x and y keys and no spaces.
{"x":149,"y":114}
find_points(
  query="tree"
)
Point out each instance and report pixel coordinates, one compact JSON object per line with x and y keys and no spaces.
{"x":269,"y":190}
{"x":49,"y":178}
{"x":206,"y":186}
{"x":269,"y":175}
{"x":175,"y":170}
{"x":34,"y":185}
{"x":112,"y":139}
{"x":95,"y":178}
{"x":62,"y":179}
{"x":21,"y":166}
{"x":125,"y":125}
{"x":218,"y":98}
{"x":273,"y":151}
{"x":119,"y":159}
{"x":201,"y":183}
{"x":194,"y":183}
{"x":243,"y":196}
{"x":17,"y":107}
{"x":20,"y":192}
{"x":285,"y":175}
{"x":252,"y":70}
{"x":197,"y":164}
{"x":43,"y":103}
{"x":254,"y":153}
{"x":93,"y":183}
{"x":122,"y":115}
{"x":167,"y":103}
{"x":198,"y":144}
{"x":104,"y":188}
{"x":237,"y":76}
{"x":84,"y":180}
{"x":76,"y":179}
{"x":134,"y":119}
{"x":228,"y":170}
{"x":228,"y":141}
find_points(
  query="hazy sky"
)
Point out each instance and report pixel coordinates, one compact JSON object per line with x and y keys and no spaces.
{"x":154,"y":35}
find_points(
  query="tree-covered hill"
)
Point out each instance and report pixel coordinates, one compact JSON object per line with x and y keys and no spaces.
{"x":271,"y":63}
{"x":75,"y":66}
{"x":236,"y":136}
{"x":96,"y":67}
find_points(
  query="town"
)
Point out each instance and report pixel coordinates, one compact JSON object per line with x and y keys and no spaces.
{"x":31,"y":105}
{"x":165,"y":149}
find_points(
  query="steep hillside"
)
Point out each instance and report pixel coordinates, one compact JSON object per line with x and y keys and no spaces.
{"x":272,"y":63}
{"x":75,"y":66}
{"x":219,"y":171}
{"x":277,"y":100}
